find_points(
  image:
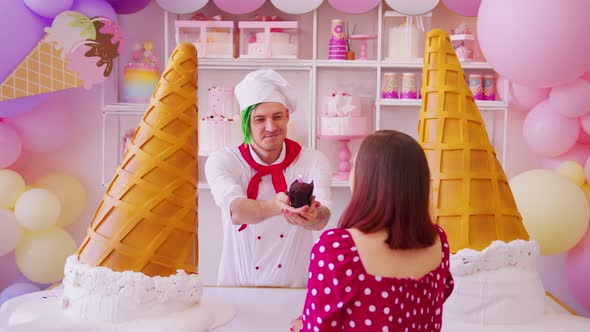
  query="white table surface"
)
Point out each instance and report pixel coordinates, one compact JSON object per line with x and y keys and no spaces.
{"x":262,"y":309}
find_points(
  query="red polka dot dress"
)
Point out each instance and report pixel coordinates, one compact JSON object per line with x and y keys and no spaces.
{"x":342,"y":296}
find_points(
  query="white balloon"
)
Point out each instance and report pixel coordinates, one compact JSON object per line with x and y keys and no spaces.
{"x":12,"y":185}
{"x":37,"y":209}
{"x":181,"y":6}
{"x":70,"y":192}
{"x":296,"y":7}
{"x":412,"y":7}
{"x":10,"y":231}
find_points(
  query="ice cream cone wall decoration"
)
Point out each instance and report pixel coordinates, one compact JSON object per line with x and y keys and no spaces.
{"x":147,"y":220}
{"x":76,"y":51}
{"x":470,"y":195}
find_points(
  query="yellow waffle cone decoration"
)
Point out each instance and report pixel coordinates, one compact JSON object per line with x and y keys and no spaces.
{"x":147,"y":221}
{"x":43,"y":70}
{"x":471,"y":198}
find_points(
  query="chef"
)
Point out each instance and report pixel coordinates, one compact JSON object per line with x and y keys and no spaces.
{"x":266,"y":241}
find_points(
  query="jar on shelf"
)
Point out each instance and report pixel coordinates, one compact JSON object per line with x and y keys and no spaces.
{"x":389,"y":87}
{"x":489,"y":87}
{"x":476,"y":86}
{"x":337,"y":49}
{"x":409,"y":90}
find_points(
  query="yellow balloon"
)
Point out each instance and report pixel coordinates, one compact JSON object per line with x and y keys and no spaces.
{"x":573,"y":171}
{"x":41,"y":256}
{"x":554,"y":209}
{"x":71,"y":194}
{"x":12,"y":185}
{"x":37,"y":209}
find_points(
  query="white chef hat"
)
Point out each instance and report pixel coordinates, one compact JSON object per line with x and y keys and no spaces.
{"x":265,"y":86}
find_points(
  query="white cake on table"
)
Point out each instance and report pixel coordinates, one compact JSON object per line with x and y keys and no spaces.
{"x":342,"y":116}
{"x":220,"y":126}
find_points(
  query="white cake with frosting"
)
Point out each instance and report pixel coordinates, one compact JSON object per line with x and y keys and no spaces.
{"x":220,"y":126}
{"x":342,"y":116}
{"x":279,"y":45}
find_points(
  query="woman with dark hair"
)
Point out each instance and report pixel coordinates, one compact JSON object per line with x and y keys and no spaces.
{"x":386,"y":267}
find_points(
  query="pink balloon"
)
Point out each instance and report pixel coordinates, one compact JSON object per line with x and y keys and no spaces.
{"x":463,"y":7}
{"x":586,"y":77}
{"x":524,"y":27}
{"x":525,"y":97}
{"x":45,"y":128}
{"x":572,"y":99}
{"x":49,"y":9}
{"x":354,"y":6}
{"x":10,"y":145}
{"x":577,"y":269}
{"x":585,"y":122}
{"x":238,"y":6}
{"x":584,"y":137}
{"x":578,"y":153}
{"x":22,"y":162}
{"x":94,"y":8}
{"x":549,"y":133}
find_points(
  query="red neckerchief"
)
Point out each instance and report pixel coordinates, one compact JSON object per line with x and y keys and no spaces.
{"x":276,"y":171}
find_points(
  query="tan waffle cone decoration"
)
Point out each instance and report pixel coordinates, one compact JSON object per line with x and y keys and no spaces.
{"x":43,"y":70}
{"x":470,"y":195}
{"x":147,"y":221}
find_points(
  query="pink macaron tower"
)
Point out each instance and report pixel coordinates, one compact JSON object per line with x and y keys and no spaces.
{"x":338,"y":48}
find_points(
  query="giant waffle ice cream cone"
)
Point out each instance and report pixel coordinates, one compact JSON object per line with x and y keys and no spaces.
{"x":147,"y":221}
{"x":43,"y":70}
{"x":471,"y":198}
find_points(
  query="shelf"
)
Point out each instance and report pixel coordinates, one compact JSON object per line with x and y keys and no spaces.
{"x":489,"y":105}
{"x":418,"y":63}
{"x":254,"y":63}
{"x":347,"y":63}
{"x":125,"y":108}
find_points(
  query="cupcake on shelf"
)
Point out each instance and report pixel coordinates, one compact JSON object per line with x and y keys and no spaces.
{"x":141,"y":74}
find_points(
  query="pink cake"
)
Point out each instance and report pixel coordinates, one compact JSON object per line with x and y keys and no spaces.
{"x":141,"y":75}
{"x":220,"y":127}
{"x":343,"y":116}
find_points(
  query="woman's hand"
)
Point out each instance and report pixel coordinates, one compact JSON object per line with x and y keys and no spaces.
{"x":296,"y":325}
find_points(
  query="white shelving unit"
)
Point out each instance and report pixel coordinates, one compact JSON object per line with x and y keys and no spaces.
{"x":311,"y":72}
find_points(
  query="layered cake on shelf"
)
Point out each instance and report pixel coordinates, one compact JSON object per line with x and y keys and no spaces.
{"x":493,"y":262}
{"x":215,"y":44}
{"x":343,"y":116}
{"x":220,"y":126}
{"x":141,"y":75}
{"x":279,"y":45}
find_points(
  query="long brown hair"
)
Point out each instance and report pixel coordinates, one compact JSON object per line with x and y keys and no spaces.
{"x":391,"y":191}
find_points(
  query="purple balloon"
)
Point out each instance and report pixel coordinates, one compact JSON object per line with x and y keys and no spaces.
{"x":49,"y":9}
{"x":128,"y":6}
{"x":13,"y":107}
{"x":17,"y":289}
{"x":463,"y":7}
{"x":9,"y":270}
{"x":15,"y":13}
{"x":94,"y":8}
